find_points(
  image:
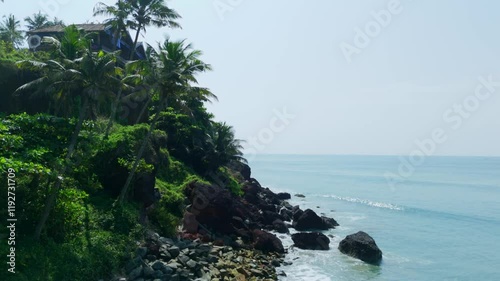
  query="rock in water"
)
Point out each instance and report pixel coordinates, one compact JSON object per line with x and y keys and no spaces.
{"x":361,"y":246}
{"x":284,"y":196}
{"x":267,"y":242}
{"x":309,"y":220}
{"x":311,"y":241}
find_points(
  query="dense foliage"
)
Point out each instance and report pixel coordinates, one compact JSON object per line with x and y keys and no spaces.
{"x":93,"y":140}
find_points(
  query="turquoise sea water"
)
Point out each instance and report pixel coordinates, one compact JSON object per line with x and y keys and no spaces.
{"x":441,"y":223}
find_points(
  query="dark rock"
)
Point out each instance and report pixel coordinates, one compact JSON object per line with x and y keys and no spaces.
{"x":270,"y":217}
{"x":174,"y":251}
{"x":361,"y":246}
{"x":300,"y":195}
{"x":136,"y":273}
{"x":330,"y":222}
{"x":214,"y":207}
{"x":280,"y":226}
{"x":284,"y":196}
{"x":311,"y":241}
{"x":158,"y":265}
{"x":297,"y":212}
{"x":309,"y":220}
{"x":267,"y":242}
{"x":148,"y":271}
{"x":189,"y":223}
{"x":151,"y":258}
{"x":286,"y":214}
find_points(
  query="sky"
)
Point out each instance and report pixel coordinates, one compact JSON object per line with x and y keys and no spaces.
{"x":380,"y":77}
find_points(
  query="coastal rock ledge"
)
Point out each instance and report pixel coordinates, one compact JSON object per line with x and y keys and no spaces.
{"x":361,"y":246}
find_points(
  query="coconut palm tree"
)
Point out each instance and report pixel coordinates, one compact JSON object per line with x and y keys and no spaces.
{"x":172,"y":71}
{"x":223,"y":146}
{"x":9,"y":30}
{"x":87,"y":79}
{"x":73,"y":43}
{"x":118,"y":17}
{"x":150,"y":12}
{"x":37,"y":21}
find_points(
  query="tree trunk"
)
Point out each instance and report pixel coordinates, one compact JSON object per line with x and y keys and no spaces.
{"x":144,"y":108}
{"x":132,"y":51}
{"x":131,"y":174}
{"x":50,"y":201}
{"x":113,"y":113}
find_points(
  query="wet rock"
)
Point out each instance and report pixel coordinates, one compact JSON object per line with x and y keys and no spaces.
{"x":284,"y":196}
{"x":330,"y":222}
{"x":309,"y":220}
{"x":267,"y":242}
{"x":361,"y":246}
{"x":280,"y":226}
{"x":311,"y":241}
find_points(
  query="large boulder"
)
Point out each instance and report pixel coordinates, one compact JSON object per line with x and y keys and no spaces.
{"x":309,"y":220}
{"x":361,"y":246}
{"x":280,"y":226}
{"x":311,"y":241}
{"x":214,"y":207}
{"x":267,"y":242}
{"x":284,"y":196}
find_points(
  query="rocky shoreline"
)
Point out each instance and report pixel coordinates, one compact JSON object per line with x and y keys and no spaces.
{"x":229,"y":237}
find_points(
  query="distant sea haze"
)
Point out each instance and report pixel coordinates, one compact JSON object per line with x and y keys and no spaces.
{"x":441,"y":223}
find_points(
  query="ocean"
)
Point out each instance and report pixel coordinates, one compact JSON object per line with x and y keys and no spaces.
{"x":442,"y":222}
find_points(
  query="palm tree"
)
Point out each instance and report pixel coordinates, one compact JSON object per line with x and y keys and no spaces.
{"x":224,"y":147}
{"x":87,"y":78}
{"x":73,"y":43}
{"x":172,"y":71}
{"x":37,"y":21}
{"x":119,"y":17}
{"x":150,"y":12}
{"x":9,"y":30}
{"x":56,"y":21}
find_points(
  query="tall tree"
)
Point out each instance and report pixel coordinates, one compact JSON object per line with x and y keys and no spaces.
{"x":173,"y":69}
{"x":56,"y":21}
{"x":9,"y":30}
{"x":88,"y":78}
{"x":223,"y":146}
{"x":37,"y":21}
{"x":118,"y":17}
{"x":147,"y":13}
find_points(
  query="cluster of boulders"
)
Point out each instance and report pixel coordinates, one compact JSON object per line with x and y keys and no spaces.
{"x":215,"y":214}
{"x":161,"y":259}
{"x":228,"y":237}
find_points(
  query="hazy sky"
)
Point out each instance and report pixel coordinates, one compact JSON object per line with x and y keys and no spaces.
{"x":398,"y":85}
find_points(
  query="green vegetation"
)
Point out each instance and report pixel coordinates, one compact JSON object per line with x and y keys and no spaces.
{"x":90,"y":137}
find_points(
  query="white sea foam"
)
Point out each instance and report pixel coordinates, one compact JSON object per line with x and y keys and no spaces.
{"x":366,"y":202}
